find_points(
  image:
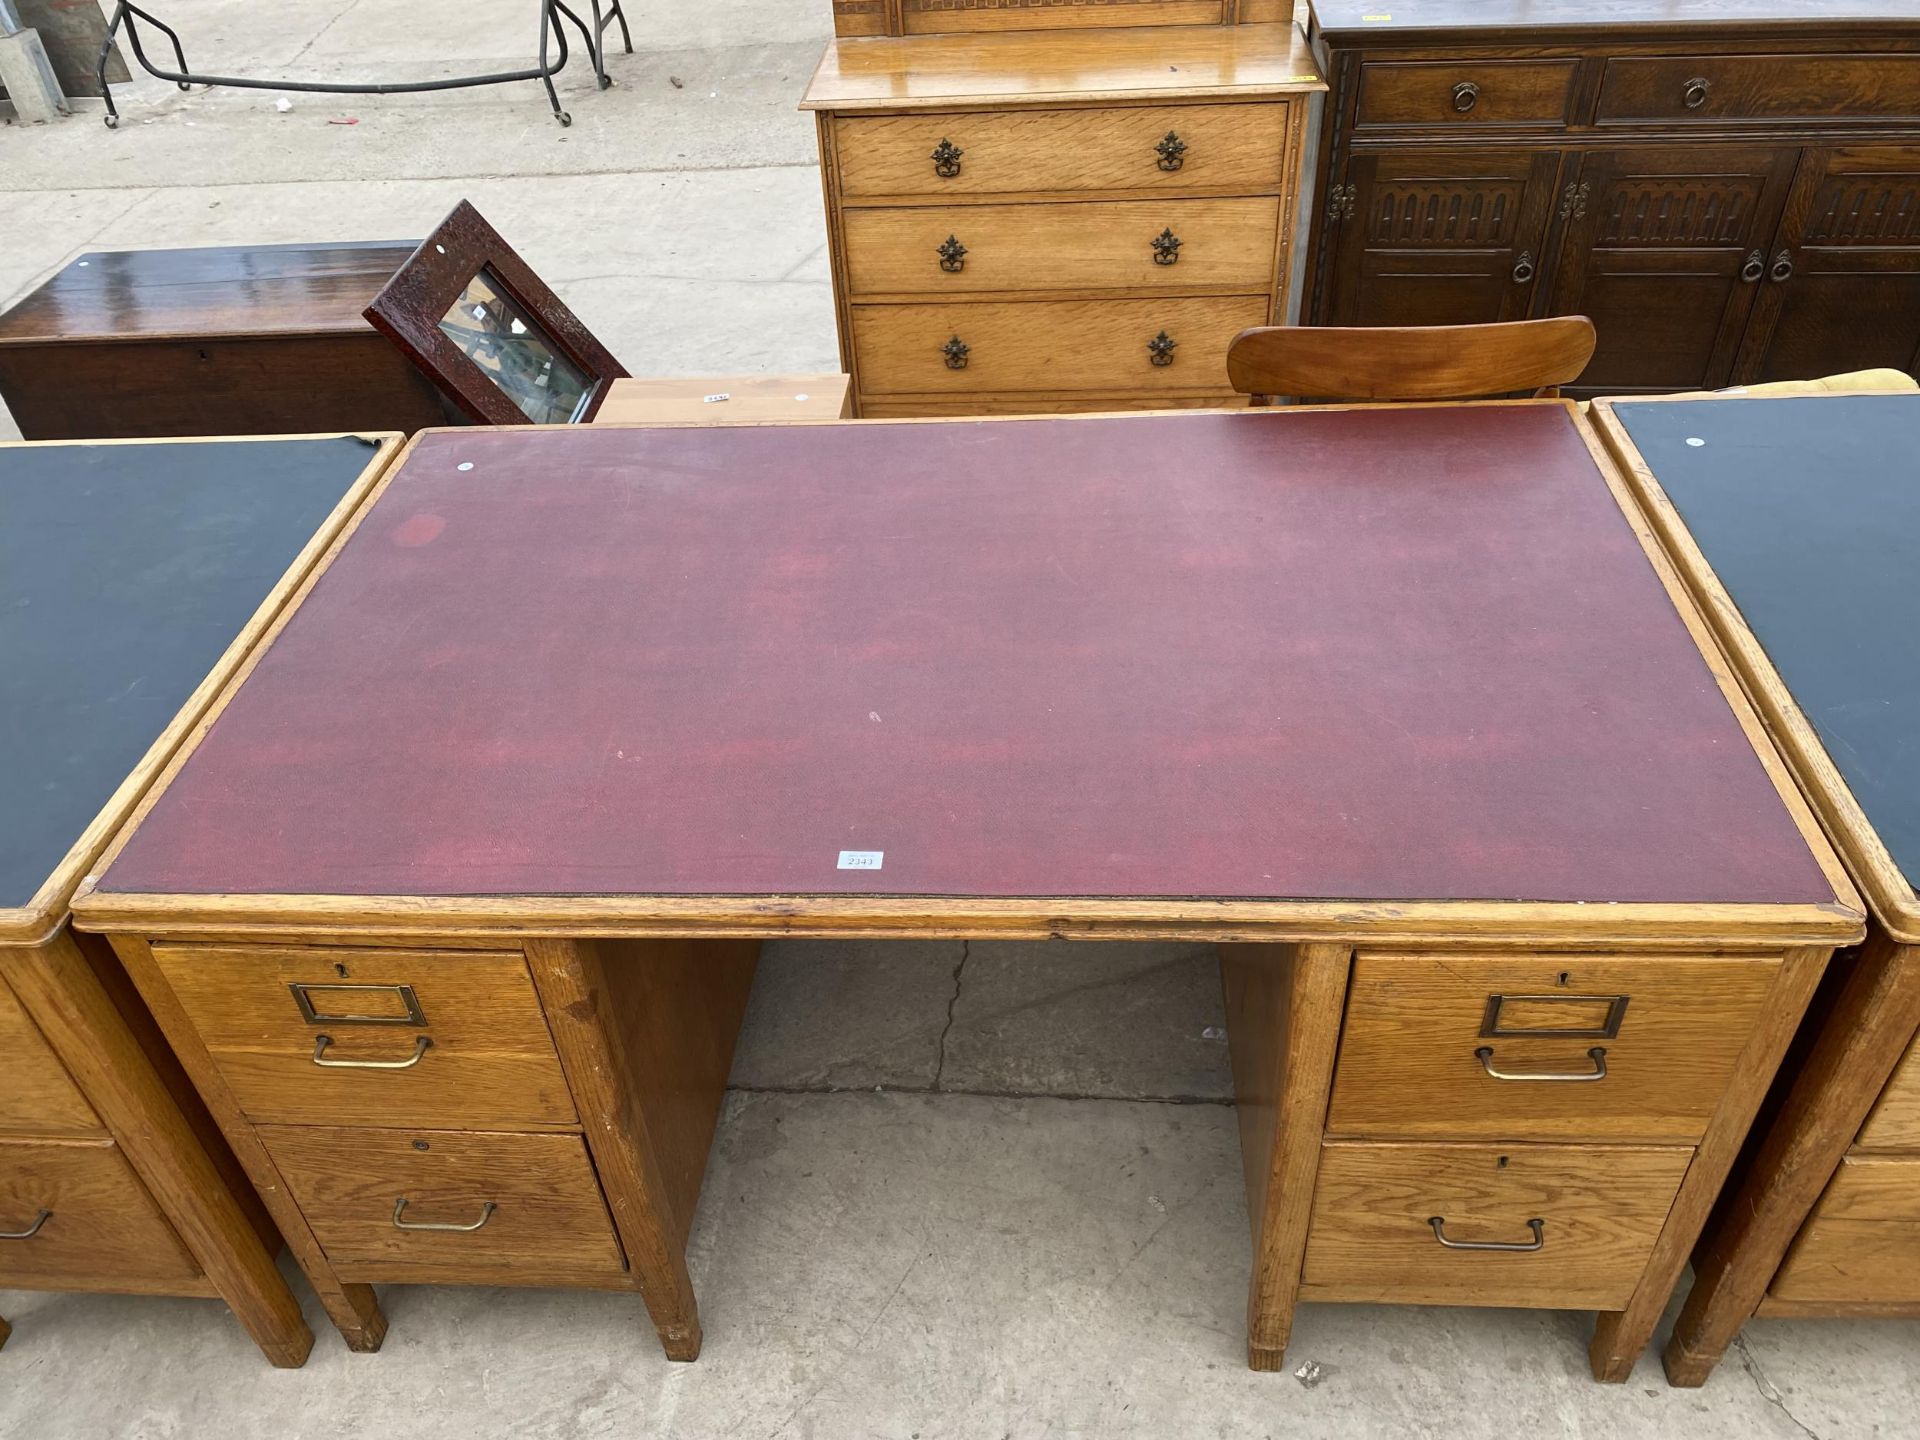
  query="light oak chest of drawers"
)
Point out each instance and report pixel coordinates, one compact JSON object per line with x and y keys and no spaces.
{"x":1060,"y":221}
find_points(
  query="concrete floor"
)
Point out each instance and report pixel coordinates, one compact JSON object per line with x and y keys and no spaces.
{"x":982,"y":1191}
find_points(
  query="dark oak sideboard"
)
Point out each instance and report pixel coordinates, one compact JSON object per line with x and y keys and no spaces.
{"x":1729,"y":188}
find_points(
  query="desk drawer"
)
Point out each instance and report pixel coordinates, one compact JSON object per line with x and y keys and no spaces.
{"x":529,"y":1203}
{"x":1894,"y":1122}
{"x":1519,"y":92}
{"x":1050,"y":345}
{"x":1372,"y":1237}
{"x":1138,"y":246}
{"x":101,"y":1230}
{"x":1503,"y":1047}
{"x":37,"y":1096}
{"x":1862,"y":1241}
{"x":453,"y":1038}
{"x":1708,"y":88}
{"x":1039,"y":152}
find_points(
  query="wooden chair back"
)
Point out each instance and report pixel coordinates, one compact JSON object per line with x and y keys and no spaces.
{"x":1428,"y":362}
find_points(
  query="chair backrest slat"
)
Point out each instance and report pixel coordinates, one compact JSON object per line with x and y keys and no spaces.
{"x":1431,"y":362}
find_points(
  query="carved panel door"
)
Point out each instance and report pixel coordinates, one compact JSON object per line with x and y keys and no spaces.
{"x":1843,"y":278}
{"x":1438,"y":237}
{"x":1666,"y":250}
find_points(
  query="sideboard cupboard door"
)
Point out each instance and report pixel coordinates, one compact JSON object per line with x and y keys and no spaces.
{"x":1425,"y":237}
{"x":1843,"y":276}
{"x":1665,"y":250}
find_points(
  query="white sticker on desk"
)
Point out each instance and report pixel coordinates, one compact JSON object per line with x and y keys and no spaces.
{"x":861,"y":859}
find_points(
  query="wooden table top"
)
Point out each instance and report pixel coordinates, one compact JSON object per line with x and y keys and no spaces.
{"x":127,"y":571}
{"x":1364,"y":654}
{"x":1805,"y":510}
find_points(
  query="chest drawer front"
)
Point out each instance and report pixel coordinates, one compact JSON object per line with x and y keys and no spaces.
{"x":475,"y":1201}
{"x":1428,"y":1038}
{"x":81,"y":1217}
{"x":1372,"y":1236}
{"x":1009,"y":152}
{"x":1050,"y":345}
{"x":1706,"y":88}
{"x":1136,"y":247}
{"x":893,"y":407}
{"x":1894,"y":1122}
{"x":37,"y":1096}
{"x":1517,"y":92}
{"x":411,"y":1037}
{"x":1862,"y":1241}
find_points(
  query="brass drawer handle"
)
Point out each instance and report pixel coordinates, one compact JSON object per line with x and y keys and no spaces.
{"x":421,"y":1044}
{"x":1166,"y":247}
{"x":1782,"y":267}
{"x":956,"y":350}
{"x":1172,"y":151}
{"x":1695,"y":95}
{"x":400,"y":1208}
{"x":1579,"y":1077}
{"x":1160,"y":349}
{"x":946,"y":158}
{"x":31,"y":1231}
{"x":953,"y":255}
{"x":1523,"y":268}
{"x":1755,"y":267}
{"x":303,"y":997}
{"x":1465,"y":96}
{"x":1515,"y":1247}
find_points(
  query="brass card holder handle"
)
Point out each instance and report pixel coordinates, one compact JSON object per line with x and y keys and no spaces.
{"x":303,"y":995}
{"x":400,"y":1208}
{"x":421,"y":1044}
{"x":1511,"y":1247}
{"x":31,"y":1230}
{"x":1494,"y":1027}
{"x":1598,"y":1054}
{"x":1172,"y":151}
{"x":946,"y":158}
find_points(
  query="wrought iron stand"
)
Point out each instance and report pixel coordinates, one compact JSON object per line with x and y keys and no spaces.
{"x":129,"y":15}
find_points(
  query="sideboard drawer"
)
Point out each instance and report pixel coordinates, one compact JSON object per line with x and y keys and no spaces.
{"x":1133,"y":245}
{"x":1862,"y":1241}
{"x":473,"y":1201}
{"x":1760,"y":87}
{"x":1894,"y":1122}
{"x":82,"y":1219}
{"x":1552,"y":1047}
{"x":1373,"y":1237}
{"x":374,"y":1037}
{"x":1007,"y":152}
{"x":37,"y":1095}
{"x":1050,"y":345}
{"x":1449,"y":92}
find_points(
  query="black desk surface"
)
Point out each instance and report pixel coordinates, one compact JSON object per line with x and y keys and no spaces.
{"x":1809,"y":512}
{"x":126,"y":571}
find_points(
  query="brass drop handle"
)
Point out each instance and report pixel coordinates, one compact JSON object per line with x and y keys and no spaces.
{"x":421,"y":1044}
{"x":1172,"y":151}
{"x":1755,"y":267}
{"x":1782,"y":267}
{"x":956,"y":350}
{"x":400,"y":1208}
{"x":946,"y":159}
{"x":1160,"y":349}
{"x":31,"y":1230}
{"x":1465,"y":96}
{"x":1166,"y":247}
{"x":1598,"y":1054}
{"x":1517,"y":1247}
{"x":1695,"y":95}
{"x":953,"y":255}
{"x":1523,"y":270}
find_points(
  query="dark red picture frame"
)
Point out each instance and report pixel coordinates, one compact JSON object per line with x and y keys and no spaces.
{"x":409,"y":308}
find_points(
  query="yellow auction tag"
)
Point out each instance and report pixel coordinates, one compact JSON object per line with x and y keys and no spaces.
{"x":1376,"y":19}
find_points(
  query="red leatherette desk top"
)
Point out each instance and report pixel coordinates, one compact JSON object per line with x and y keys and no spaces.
{"x":1371,"y":654}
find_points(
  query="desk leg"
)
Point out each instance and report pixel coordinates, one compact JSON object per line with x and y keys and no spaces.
{"x":1283,"y":1025}
{"x":1620,"y":1336}
{"x":5,"y":1331}
{"x":352,"y":1308}
{"x":1872,"y":1022}
{"x":645,"y":1031}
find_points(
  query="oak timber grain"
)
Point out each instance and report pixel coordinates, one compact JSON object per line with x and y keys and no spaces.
{"x":103,"y":1221}
{"x":887,"y":407}
{"x":1426,"y":362}
{"x":1424,"y":93}
{"x":1862,"y":1242}
{"x":1760,"y":87}
{"x":1894,"y":1121}
{"x":39,"y":1097}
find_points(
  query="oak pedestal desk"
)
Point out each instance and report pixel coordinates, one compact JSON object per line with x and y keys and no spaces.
{"x":133,"y":579}
{"x":1059,"y":220}
{"x":1792,"y":521}
{"x":453,"y":921}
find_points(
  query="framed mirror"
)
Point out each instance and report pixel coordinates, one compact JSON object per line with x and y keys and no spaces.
{"x":489,"y":332}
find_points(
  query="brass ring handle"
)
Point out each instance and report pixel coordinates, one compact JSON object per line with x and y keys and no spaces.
{"x":953,"y":255}
{"x":1523,"y":268}
{"x":1172,"y":151}
{"x":1755,"y":267}
{"x":946,"y":158}
{"x":1465,"y":96}
{"x":421,"y":1044}
{"x":31,"y":1231}
{"x":1160,"y":349}
{"x":1695,"y":95}
{"x":1579,"y":1077}
{"x":1518,"y":1247}
{"x":956,"y":350}
{"x":400,"y":1208}
{"x":1782,"y":267}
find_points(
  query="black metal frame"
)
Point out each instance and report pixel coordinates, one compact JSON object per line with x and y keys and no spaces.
{"x":126,"y":14}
